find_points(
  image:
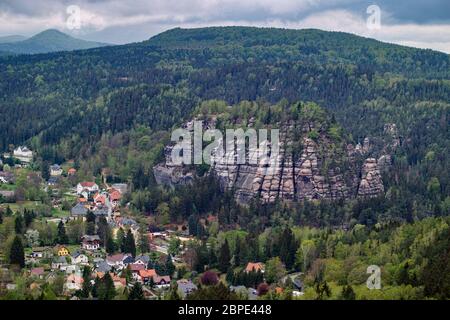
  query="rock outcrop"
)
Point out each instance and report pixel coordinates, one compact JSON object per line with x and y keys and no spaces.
{"x":319,"y":171}
{"x":371,"y":183}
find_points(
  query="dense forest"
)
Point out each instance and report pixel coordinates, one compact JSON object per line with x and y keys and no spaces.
{"x":114,"y":107}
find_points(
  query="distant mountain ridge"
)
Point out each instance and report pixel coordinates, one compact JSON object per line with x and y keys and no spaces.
{"x":12,"y":38}
{"x":47,"y":41}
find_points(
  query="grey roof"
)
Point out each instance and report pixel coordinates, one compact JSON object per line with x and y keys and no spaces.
{"x":52,"y":180}
{"x":60,"y":259}
{"x":128,"y":221}
{"x":186,"y":286}
{"x":103,"y":211}
{"x":128,"y":260}
{"x":121,"y":187}
{"x":55,"y":167}
{"x":90,"y":237}
{"x":144,"y":258}
{"x":103,"y":267}
{"x":79,"y":210}
{"x":76,"y":254}
{"x":250,"y":292}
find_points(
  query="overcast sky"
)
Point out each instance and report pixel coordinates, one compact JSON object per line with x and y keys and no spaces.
{"x":418,"y":23}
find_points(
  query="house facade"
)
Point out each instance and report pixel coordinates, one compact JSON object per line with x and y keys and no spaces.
{"x":90,"y":243}
{"x":23,"y":154}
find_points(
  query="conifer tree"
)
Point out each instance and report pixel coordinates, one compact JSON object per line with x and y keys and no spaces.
{"x":16,"y":253}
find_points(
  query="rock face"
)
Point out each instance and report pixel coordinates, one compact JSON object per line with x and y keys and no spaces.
{"x":318,"y":171}
{"x":371,"y":183}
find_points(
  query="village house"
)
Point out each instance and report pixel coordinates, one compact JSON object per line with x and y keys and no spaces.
{"x":6,"y":177}
{"x":78,"y":211}
{"x":143,"y":260}
{"x":55,"y":170}
{"x":61,"y":250}
{"x":99,"y":199}
{"x":161,"y":281}
{"x":60,"y":263}
{"x":145,"y":275}
{"x":9,"y":194}
{"x":114,"y":197}
{"x":71,"y":171}
{"x":41,"y":252}
{"x":185,"y":287}
{"x":119,"y":261}
{"x":134,"y":269}
{"x":90,"y":243}
{"x":254,"y":266}
{"x":87,"y":189}
{"x":37,"y":272}
{"x":121,"y":187}
{"x":74,"y":282}
{"x":73,"y":268}
{"x":23,"y":154}
{"x":103,"y":267}
{"x":80,"y":258}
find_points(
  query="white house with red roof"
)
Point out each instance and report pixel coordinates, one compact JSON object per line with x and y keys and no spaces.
{"x":87,"y":188}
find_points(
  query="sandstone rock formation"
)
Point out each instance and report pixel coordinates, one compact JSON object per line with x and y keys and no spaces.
{"x":316,"y":173}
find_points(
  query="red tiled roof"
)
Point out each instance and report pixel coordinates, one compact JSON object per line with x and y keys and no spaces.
{"x":87,"y":184}
{"x":37,"y":271}
{"x":147,"y":273}
{"x":136,"y":267}
{"x":116,"y":257}
{"x":115,"y":195}
{"x":254,"y":266}
{"x":159,"y":279}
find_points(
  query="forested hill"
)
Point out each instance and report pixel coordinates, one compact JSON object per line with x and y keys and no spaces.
{"x":80,"y":95}
{"x":47,"y":41}
{"x":312,"y":45}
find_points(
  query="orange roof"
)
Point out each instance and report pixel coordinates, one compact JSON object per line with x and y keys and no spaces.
{"x":256,"y":266}
{"x":114,"y":195}
{"x":278,"y":290}
{"x":72,"y":170}
{"x":147,"y":273}
{"x":100,"y":198}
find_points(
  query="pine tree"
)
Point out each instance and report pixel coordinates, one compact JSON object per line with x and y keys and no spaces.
{"x":105,"y":289}
{"x":348,"y":293}
{"x":237,"y":253}
{"x":129,"y":244}
{"x":62,"y":236}
{"x":170,"y":267}
{"x":8,"y":212}
{"x":110,"y":246}
{"x":230,"y":276}
{"x":224,"y":257}
{"x":18,"y":224}
{"x":87,"y":287}
{"x":16,"y":253}
{"x":45,"y":170}
{"x":143,"y":244}
{"x":120,"y":239}
{"x":136,"y":293}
